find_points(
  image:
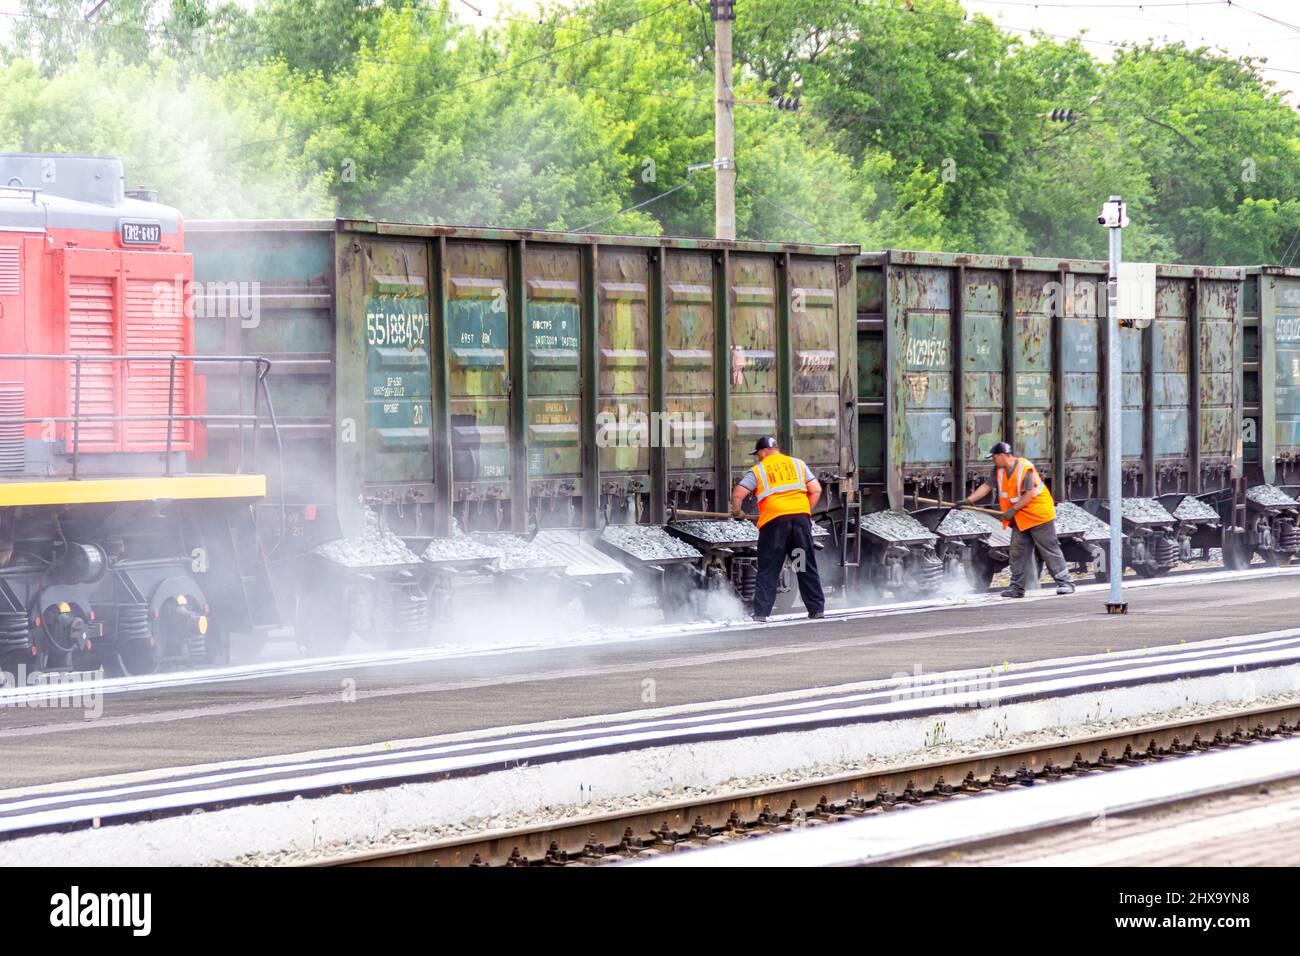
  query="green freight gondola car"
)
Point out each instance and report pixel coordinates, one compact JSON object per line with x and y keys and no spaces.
{"x":451,"y":384}
{"x":957,"y":352}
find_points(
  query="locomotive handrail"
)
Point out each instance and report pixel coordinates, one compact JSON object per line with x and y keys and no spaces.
{"x":262,"y":367}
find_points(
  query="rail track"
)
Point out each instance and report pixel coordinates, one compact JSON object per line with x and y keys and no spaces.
{"x":691,"y":824}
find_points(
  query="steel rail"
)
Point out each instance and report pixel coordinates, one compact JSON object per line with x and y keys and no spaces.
{"x":673,"y":826}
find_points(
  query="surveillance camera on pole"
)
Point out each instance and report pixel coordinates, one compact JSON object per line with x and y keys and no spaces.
{"x":1114,"y":217}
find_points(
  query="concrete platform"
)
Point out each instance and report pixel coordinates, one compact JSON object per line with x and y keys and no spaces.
{"x":353,"y":703}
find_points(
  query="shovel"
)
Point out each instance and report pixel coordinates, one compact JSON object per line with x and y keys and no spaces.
{"x":952,"y":504}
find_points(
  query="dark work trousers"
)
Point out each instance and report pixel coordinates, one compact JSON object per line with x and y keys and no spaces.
{"x":1043,"y":537}
{"x":782,"y":536}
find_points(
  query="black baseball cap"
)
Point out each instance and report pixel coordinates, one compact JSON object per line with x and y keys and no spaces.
{"x":767,"y":441}
{"x":1000,"y":448}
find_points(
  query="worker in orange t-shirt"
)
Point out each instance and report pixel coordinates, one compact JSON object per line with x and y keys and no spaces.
{"x":787,"y":492}
{"x":1027,"y":508}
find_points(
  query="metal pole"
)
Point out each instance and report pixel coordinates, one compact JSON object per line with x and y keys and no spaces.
{"x":723,"y":122}
{"x":1113,"y":218}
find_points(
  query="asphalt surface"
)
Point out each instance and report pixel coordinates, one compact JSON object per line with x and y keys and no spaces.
{"x":363,"y":704}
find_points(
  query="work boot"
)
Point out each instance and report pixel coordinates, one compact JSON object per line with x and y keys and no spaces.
{"x":1065,"y":587}
{"x":816,"y":615}
{"x":1013,"y":593}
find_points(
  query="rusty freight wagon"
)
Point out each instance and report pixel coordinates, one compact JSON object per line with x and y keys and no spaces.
{"x":465,"y":405}
{"x":959,"y":351}
{"x":1269,"y":513}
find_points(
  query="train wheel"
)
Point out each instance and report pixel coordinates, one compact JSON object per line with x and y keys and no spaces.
{"x":132,"y":658}
{"x":216,"y":647}
{"x":1150,"y":571}
{"x":979,"y":572}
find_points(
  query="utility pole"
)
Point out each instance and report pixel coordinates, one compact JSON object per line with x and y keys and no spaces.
{"x":1114,"y":218}
{"x":724,"y":221}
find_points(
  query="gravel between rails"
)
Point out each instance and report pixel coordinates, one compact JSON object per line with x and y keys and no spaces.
{"x":809,"y":774}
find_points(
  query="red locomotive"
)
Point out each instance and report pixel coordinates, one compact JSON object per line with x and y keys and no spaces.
{"x":112,"y":552}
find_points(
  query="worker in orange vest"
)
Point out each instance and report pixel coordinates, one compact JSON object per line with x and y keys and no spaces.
{"x":787,"y":492}
{"x":1027,"y":508}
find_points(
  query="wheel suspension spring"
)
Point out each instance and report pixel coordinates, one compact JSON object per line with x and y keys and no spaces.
{"x":124,"y":622}
{"x":15,"y":635}
{"x":1164,"y":551}
{"x":744,"y":577}
{"x":405,"y":610}
{"x":1288,"y":537}
{"x":928,"y":569}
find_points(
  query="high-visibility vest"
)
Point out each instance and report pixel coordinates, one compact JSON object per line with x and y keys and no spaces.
{"x":781,"y":489}
{"x":1041,"y":509}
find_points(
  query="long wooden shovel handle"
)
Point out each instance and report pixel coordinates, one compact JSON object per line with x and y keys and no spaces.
{"x":952,"y":504}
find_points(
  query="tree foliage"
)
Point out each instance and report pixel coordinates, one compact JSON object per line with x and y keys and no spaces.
{"x":917,"y":125}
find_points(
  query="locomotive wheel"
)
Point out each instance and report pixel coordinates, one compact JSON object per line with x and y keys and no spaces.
{"x":217,"y":647}
{"x":131,"y":659}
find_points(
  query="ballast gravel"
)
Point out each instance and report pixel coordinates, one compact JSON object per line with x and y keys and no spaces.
{"x":726,"y":531}
{"x":896,"y":526}
{"x":647,"y":542}
{"x":1146,"y":511}
{"x":477,"y":825}
{"x":1071,"y":519}
{"x":1192,"y":508}
{"x":378,"y":550}
{"x":443,"y":550}
{"x":959,"y":522}
{"x":1269,"y":495}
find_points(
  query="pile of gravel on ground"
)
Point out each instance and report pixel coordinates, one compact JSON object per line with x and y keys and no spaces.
{"x":724,"y":531}
{"x":647,"y":542}
{"x":896,"y":526}
{"x":1192,"y":508}
{"x":371,"y":551}
{"x":1268,"y":495}
{"x":475,"y":826}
